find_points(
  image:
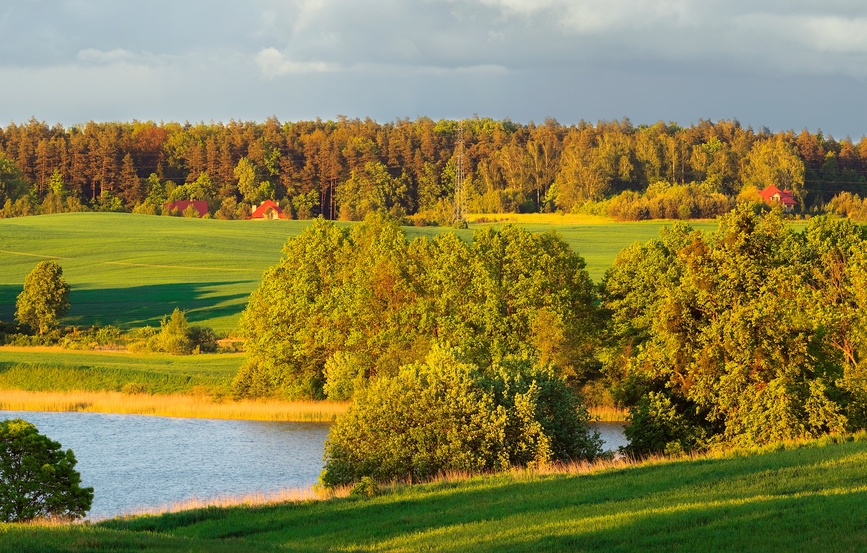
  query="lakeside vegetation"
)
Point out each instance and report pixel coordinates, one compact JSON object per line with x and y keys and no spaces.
{"x":801,"y":497}
{"x":172,"y":405}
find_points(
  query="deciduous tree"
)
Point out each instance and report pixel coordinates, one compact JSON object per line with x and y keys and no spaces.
{"x":37,"y":478}
{"x":45,"y":298}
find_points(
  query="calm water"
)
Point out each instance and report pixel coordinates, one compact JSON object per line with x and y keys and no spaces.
{"x":137,"y":461}
{"x":612,"y":434}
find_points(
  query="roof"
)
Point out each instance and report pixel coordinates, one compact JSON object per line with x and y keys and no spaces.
{"x":181,"y":205}
{"x":259,"y":212}
{"x":773,"y":194}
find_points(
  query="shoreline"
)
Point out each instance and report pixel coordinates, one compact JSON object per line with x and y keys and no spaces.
{"x":200,"y":406}
{"x":175,"y":405}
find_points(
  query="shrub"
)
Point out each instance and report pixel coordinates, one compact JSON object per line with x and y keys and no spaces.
{"x":445,"y":414}
{"x":37,"y":478}
{"x":176,"y":336}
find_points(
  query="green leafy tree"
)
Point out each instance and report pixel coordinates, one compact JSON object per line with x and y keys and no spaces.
{"x":775,"y":161}
{"x":37,"y":478}
{"x":45,"y":298}
{"x":345,"y":304}
{"x":750,"y":335}
{"x":13,"y":185}
{"x":371,"y":189}
{"x":249,"y":184}
{"x":445,"y":414}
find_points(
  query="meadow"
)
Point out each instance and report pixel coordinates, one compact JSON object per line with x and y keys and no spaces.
{"x":805,"y":497}
{"x":130,"y":270}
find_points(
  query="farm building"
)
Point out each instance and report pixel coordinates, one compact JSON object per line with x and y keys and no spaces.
{"x":773,"y":195}
{"x":267,"y":210}
{"x":181,"y":205}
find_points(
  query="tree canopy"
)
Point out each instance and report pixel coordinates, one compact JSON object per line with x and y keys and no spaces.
{"x":45,"y":298}
{"x":750,"y":335}
{"x":345,"y":304}
{"x":37,"y":478}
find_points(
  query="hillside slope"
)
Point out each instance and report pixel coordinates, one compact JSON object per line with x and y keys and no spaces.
{"x":811,"y":498}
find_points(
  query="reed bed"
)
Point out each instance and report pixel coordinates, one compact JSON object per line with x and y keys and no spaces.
{"x":176,"y":405}
{"x":608,"y":414}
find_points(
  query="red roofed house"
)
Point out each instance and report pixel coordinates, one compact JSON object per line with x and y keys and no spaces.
{"x":267,"y":210}
{"x":773,"y":195}
{"x":181,"y":205}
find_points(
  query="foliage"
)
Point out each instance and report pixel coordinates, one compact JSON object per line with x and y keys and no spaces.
{"x":348,"y":167}
{"x":358,"y":302}
{"x":446,"y":415}
{"x":45,"y":298}
{"x":751,"y":335}
{"x":37,"y":478}
{"x":178,"y":337}
{"x":849,"y":205}
{"x":665,"y":201}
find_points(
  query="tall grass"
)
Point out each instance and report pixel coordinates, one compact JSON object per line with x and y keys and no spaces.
{"x":608,"y":414}
{"x":176,"y":405}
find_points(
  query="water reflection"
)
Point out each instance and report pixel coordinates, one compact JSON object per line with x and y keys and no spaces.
{"x":135,"y":461}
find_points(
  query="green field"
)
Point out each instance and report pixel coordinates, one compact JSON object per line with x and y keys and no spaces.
{"x":129,"y":270}
{"x":65,"y":371}
{"x":806,"y":499}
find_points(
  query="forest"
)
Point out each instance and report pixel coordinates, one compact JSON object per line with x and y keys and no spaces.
{"x":347,"y":168}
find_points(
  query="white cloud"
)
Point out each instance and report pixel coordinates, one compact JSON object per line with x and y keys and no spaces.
{"x":273,"y":63}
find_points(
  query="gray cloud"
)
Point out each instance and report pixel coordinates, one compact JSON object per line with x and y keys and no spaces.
{"x":766,"y":62}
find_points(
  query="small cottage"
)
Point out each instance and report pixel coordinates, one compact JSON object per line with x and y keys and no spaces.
{"x":773,"y":195}
{"x":267,"y":210}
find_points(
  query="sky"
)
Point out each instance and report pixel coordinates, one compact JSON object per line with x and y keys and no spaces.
{"x":779,"y":64}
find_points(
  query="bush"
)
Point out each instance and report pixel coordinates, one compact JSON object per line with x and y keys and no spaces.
{"x":445,"y":414}
{"x":657,"y":426}
{"x":37,"y":478}
{"x":176,"y":336}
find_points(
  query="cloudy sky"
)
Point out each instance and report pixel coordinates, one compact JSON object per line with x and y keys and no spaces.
{"x":781,"y":64}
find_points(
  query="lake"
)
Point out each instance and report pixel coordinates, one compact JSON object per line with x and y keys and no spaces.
{"x":135,"y":462}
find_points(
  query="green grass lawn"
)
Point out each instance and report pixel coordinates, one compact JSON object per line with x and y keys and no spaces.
{"x":807,"y":499}
{"x":64,"y":371}
{"x":129,"y":270}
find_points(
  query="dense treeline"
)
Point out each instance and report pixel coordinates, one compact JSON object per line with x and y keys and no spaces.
{"x":349,"y":167}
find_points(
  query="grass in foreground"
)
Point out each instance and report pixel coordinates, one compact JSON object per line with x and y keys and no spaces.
{"x":801,"y":499}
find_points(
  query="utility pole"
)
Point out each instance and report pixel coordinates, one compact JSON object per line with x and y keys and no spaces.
{"x":460,"y":196}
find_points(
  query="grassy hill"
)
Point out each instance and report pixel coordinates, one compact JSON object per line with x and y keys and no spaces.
{"x":811,"y":498}
{"x":129,"y":270}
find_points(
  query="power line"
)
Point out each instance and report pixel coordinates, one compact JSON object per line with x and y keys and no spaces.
{"x":460,"y":212}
